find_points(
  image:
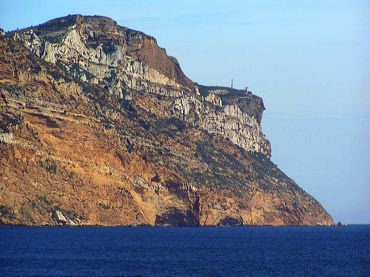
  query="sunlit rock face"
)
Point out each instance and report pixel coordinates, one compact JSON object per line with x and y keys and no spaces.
{"x":126,"y":62}
{"x":100,"y":126}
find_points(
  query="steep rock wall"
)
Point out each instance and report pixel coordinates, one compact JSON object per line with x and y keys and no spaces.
{"x":78,"y":155}
{"x":127,"y":63}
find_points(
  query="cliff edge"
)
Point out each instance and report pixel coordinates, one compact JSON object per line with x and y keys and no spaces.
{"x":99,"y":126}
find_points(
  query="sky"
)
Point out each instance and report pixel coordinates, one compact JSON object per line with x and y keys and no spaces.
{"x":308,"y":60}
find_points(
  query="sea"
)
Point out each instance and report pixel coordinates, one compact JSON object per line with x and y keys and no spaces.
{"x":185,"y":251}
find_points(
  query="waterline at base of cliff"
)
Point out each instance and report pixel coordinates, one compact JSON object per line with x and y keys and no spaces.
{"x":209,"y":251}
{"x":99,"y":126}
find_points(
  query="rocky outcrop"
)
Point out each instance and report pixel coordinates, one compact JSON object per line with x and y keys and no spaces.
{"x":6,"y":138}
{"x":100,"y":127}
{"x":128,"y":63}
{"x":59,"y":217}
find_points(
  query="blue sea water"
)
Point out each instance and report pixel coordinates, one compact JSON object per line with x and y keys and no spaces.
{"x":145,"y":251}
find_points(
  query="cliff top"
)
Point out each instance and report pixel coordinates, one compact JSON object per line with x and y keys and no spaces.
{"x":96,"y":21}
{"x":100,"y":30}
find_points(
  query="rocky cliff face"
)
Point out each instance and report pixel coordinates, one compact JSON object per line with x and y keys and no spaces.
{"x":100,"y":126}
{"x":129,"y":64}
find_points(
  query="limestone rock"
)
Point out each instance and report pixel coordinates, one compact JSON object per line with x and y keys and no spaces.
{"x":6,"y":138}
{"x":59,"y":217}
{"x":132,"y":63}
{"x":101,"y":127}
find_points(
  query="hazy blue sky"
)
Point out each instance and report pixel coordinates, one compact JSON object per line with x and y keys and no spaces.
{"x":309,"y":60}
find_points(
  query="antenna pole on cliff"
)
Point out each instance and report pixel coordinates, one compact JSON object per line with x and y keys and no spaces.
{"x":232,"y":83}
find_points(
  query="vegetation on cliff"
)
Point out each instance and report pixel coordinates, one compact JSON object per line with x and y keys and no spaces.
{"x":100,"y":126}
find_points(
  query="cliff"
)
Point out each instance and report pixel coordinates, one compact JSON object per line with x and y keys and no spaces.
{"x":100,"y":126}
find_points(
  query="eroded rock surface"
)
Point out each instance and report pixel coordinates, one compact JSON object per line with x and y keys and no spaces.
{"x":100,"y":126}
